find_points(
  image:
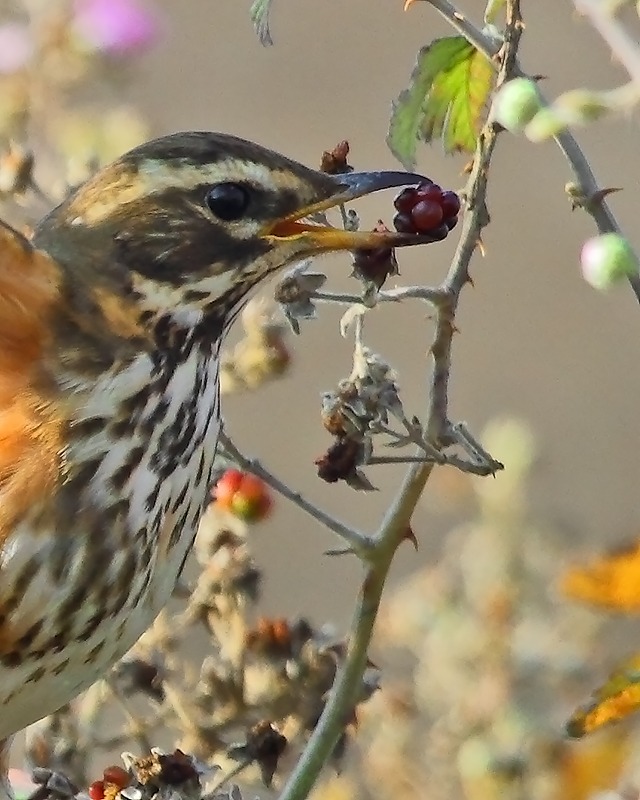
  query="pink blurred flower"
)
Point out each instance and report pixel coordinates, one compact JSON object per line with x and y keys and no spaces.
{"x":115,"y":26}
{"x":16,"y":47}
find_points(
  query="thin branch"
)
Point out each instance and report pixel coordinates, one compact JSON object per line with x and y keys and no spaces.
{"x":429,"y":294}
{"x":396,"y":522}
{"x":449,"y":461}
{"x":463,"y":25}
{"x":357,"y":541}
{"x":597,"y":206}
{"x":623,"y":47}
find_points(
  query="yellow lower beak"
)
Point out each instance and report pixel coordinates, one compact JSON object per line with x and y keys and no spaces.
{"x":321,"y":238}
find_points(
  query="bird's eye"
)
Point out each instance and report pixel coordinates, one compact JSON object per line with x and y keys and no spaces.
{"x":228,"y":201}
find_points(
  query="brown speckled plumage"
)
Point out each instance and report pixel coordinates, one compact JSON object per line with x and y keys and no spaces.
{"x":110,"y":327}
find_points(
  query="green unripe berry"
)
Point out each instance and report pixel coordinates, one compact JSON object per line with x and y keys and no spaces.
{"x":516,"y":103}
{"x":606,"y":260}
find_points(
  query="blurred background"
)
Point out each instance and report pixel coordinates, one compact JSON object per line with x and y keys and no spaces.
{"x":535,"y":342}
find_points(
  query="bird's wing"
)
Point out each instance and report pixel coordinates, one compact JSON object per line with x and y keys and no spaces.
{"x":31,"y":443}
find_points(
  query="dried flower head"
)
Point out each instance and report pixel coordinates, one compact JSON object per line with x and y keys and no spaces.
{"x":375,"y":266}
{"x":262,"y":355}
{"x":295,"y":294}
{"x":264,"y":745}
{"x":334,"y":162}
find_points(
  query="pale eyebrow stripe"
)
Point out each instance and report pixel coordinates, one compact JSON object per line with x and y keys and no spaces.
{"x":155,"y":176}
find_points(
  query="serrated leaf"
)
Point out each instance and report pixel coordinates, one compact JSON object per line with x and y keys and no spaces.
{"x":445,"y":99}
{"x":259,"y":14}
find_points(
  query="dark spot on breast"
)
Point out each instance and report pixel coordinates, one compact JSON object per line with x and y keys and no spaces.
{"x":92,"y":624}
{"x":180,"y":498}
{"x":78,"y":478}
{"x":179,"y":526}
{"x":135,"y":401}
{"x":30,"y":635}
{"x":58,"y":642}
{"x":152,"y":498}
{"x":89,"y":426}
{"x":11,"y":659}
{"x":94,"y":653}
{"x":62,"y":666}
{"x":123,"y":473}
{"x":37,"y":674}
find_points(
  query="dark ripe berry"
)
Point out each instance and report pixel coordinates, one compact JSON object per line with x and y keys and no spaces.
{"x":403,"y":223}
{"x":451,"y":223}
{"x":450,"y":203}
{"x":425,"y":215}
{"x":439,"y":233}
{"x":406,"y":199}
{"x":429,"y":191}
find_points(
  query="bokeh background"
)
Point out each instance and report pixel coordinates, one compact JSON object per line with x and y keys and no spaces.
{"x":535,"y":340}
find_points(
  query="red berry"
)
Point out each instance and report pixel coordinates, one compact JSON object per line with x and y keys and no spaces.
{"x":429,"y":191}
{"x":117,"y":775}
{"x":243,"y":494}
{"x":450,"y":204}
{"x":406,"y":199}
{"x":403,"y":223}
{"x":426,"y":214}
{"x":227,"y":486}
{"x":252,"y":501}
{"x":451,"y":223}
{"x":96,"y":790}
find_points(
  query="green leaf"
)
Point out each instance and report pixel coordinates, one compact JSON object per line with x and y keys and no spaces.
{"x":492,"y":10}
{"x":259,"y":14}
{"x":445,"y":100}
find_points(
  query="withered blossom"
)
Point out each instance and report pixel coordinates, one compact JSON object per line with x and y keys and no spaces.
{"x":375,"y":266}
{"x":334,"y":162}
{"x":295,"y":291}
{"x":264,"y":745}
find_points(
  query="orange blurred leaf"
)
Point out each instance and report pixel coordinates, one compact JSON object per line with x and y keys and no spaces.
{"x":592,"y":766}
{"x":613,"y":701}
{"x":611,"y":581}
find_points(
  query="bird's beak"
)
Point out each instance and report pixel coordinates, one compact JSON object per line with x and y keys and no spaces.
{"x":320,"y":238}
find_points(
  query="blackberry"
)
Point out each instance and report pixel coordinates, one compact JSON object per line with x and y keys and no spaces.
{"x":426,"y":209}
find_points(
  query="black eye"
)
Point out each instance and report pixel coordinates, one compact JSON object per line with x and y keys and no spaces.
{"x":228,"y":201}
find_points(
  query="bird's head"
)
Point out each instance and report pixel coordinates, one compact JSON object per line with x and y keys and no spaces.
{"x":187,"y":224}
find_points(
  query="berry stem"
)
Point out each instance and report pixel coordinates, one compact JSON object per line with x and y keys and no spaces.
{"x":359,"y":542}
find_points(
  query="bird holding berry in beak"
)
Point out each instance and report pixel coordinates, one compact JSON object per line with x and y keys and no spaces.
{"x":111,"y":319}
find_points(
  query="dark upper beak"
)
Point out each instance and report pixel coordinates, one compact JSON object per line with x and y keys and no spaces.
{"x":320,"y":238}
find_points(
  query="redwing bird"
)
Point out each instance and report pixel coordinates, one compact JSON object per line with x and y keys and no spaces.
{"x":111,"y":320}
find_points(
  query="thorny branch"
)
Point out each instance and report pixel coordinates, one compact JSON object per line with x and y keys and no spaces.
{"x":596,"y":206}
{"x":395,"y":526}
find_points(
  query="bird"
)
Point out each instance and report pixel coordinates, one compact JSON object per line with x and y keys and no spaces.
{"x":112,"y":315}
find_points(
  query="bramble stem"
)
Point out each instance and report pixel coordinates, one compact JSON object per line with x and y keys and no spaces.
{"x":597,"y":206}
{"x":396,"y":522}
